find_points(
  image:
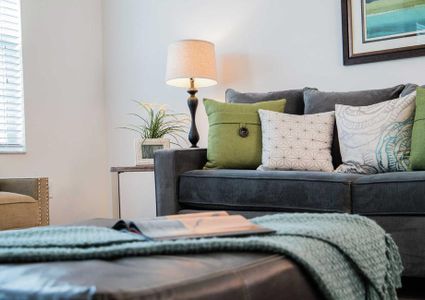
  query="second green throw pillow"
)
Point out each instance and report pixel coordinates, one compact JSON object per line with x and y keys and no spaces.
{"x":417,"y":154}
{"x":234,"y":137}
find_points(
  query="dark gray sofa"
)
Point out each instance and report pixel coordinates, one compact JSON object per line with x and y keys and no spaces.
{"x":396,"y":201}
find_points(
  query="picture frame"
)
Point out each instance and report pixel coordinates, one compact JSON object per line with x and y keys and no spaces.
{"x":371,"y":34}
{"x":145,"y":149}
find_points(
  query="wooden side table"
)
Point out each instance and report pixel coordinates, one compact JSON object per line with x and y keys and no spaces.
{"x":116,"y":183}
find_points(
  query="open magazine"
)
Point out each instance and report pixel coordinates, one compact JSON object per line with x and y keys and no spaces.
{"x":196,"y":225}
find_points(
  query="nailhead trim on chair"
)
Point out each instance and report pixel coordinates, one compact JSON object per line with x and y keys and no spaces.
{"x":39,"y":201}
{"x":47,"y":203}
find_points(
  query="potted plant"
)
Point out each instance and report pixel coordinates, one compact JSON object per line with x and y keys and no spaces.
{"x":158,"y":128}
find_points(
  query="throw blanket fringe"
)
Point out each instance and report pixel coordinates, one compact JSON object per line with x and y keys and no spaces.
{"x":347,"y":256}
{"x":394,"y":269}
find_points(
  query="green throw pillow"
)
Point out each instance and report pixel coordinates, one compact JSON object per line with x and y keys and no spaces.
{"x":417,"y":154}
{"x":234,"y":137}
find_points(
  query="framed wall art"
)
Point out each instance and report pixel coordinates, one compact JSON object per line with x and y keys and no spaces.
{"x":378,"y":30}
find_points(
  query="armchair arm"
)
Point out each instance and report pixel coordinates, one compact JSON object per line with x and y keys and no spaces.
{"x":169,"y":164}
{"x":38,"y":188}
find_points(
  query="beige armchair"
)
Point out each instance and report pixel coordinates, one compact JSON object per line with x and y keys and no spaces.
{"x":24,"y":202}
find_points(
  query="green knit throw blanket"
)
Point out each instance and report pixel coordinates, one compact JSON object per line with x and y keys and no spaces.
{"x":347,"y":256}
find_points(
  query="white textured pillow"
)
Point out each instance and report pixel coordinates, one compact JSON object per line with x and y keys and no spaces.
{"x":375,"y":138}
{"x":293,"y":142}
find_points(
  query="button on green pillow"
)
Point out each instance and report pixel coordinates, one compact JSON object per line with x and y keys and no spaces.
{"x":234,"y":137}
{"x":417,"y":154}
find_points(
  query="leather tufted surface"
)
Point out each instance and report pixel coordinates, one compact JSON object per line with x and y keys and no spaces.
{"x":202,"y":276}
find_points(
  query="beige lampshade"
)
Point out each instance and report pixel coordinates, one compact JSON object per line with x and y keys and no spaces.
{"x":191,"y":59}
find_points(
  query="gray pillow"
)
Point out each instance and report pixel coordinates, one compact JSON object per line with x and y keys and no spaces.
{"x":294,"y":99}
{"x":409,"y":88}
{"x":316,"y":101}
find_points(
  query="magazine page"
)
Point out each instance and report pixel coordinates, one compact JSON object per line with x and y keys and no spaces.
{"x":205,"y":224}
{"x":220,"y":213}
{"x":198,"y":227}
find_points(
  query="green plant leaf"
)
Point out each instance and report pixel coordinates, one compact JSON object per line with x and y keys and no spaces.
{"x":157,"y":122}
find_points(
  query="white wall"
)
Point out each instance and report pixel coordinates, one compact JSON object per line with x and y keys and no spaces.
{"x":262,"y":45}
{"x":64,"y":107}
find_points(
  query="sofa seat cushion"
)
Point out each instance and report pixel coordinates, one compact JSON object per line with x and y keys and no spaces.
{"x":271,"y":190}
{"x":18,"y":211}
{"x":14,"y":198}
{"x":400,"y":193}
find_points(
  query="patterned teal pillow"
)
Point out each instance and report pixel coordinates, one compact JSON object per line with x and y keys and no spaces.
{"x":376,"y":138}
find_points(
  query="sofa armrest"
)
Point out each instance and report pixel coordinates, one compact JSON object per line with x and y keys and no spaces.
{"x":37,"y":188}
{"x":169,"y":164}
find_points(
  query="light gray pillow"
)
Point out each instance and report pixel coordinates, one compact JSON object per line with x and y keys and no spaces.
{"x":376,"y":138}
{"x":292,"y":142}
{"x":294,"y":99}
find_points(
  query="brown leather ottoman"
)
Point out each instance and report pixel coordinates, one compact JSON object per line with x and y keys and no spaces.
{"x":202,"y":276}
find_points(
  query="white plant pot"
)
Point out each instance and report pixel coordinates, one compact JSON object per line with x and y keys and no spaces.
{"x":145,"y":149}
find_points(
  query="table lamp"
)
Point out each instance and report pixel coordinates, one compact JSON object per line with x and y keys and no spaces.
{"x":191,"y":64}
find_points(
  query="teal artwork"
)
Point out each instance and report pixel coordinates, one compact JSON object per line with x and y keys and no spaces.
{"x":392,"y":19}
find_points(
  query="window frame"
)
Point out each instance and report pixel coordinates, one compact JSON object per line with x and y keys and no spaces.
{"x":22,"y":148}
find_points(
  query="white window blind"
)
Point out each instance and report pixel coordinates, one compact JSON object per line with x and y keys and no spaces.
{"x":12,"y":135}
